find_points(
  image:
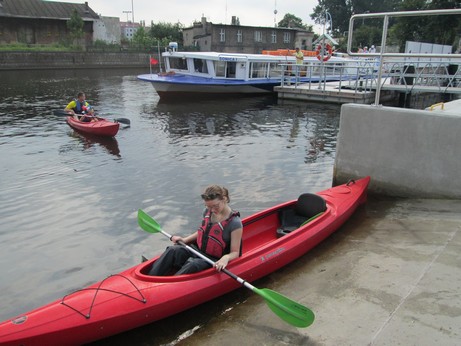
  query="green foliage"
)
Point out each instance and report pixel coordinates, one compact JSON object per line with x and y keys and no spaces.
{"x":366,"y":36}
{"x":291,"y":21}
{"x":433,"y":29}
{"x":142,"y":38}
{"x":103,"y":46}
{"x":342,"y":10}
{"x":23,"y":47}
{"x":159,"y":34}
{"x":166,"y":32}
{"x":75,"y":26}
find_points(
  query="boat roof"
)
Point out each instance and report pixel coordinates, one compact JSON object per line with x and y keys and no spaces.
{"x":227,"y":56}
{"x":223,"y":56}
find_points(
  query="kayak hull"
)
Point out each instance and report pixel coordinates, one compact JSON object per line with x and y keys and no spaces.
{"x":102,"y":127}
{"x":131,"y":298}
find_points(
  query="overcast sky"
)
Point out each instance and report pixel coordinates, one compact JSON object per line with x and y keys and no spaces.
{"x":250,"y":12}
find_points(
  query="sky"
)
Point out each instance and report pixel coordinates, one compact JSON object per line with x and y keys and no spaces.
{"x":250,"y":12}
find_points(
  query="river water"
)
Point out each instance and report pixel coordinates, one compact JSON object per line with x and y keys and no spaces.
{"x":68,"y":203}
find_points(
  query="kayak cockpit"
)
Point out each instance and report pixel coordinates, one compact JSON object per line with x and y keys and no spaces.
{"x":260,"y":231}
{"x":307,"y":208}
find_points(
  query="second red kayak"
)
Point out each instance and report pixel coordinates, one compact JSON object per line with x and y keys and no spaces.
{"x":102,"y":127}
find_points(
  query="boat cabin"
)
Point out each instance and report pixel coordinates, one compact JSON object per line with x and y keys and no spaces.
{"x":225,"y":65}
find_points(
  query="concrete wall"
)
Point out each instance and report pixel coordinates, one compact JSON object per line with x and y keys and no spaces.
{"x":407,"y":152}
{"x":54,"y":60}
{"x":107,"y":29}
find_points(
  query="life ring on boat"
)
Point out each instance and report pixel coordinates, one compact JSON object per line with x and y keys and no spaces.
{"x":319,"y":52}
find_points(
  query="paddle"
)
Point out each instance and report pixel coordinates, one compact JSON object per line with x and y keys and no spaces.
{"x":119,"y":120}
{"x":288,"y":310}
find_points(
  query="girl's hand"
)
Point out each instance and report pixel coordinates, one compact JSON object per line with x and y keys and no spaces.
{"x":222,"y":263}
{"x":175,"y":239}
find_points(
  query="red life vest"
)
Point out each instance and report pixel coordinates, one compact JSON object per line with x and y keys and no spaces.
{"x":210,"y":237}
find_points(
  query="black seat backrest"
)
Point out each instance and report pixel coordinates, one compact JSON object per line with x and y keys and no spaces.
{"x":309,"y":205}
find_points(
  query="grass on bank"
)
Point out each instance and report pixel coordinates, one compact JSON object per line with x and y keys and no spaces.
{"x":97,"y":46}
{"x":23,"y":47}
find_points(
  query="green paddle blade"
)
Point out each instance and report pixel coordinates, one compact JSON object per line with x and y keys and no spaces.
{"x":291,"y":312}
{"x":147,"y":223}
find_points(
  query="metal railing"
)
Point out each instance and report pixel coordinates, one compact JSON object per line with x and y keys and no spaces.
{"x":369,"y":74}
{"x":405,"y":58}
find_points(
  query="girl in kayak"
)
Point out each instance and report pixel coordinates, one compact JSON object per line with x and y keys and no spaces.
{"x":219,"y":237}
{"x":79,"y":108}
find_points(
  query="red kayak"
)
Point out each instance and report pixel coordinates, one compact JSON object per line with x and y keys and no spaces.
{"x":102,"y":127}
{"x":271,"y":239}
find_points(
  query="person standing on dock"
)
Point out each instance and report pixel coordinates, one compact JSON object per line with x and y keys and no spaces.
{"x":299,"y":56}
{"x":299,"y":62}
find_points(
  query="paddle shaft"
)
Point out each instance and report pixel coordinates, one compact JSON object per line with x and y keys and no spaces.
{"x":202,"y":256}
{"x":285,"y":308}
{"x":63,"y":113}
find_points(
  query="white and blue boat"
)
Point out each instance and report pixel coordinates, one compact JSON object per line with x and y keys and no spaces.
{"x":192,"y":74}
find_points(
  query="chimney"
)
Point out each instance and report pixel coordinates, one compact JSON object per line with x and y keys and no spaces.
{"x":87,"y":8}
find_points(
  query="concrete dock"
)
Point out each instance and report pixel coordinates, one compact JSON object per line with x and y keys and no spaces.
{"x":390,"y":276}
{"x":332,"y":92}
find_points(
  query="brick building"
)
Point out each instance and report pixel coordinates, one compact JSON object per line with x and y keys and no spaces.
{"x":41,"y":22}
{"x":235,"y":38}
{"x":45,"y":22}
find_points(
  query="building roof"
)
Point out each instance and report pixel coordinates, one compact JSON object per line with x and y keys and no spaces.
{"x":45,"y":9}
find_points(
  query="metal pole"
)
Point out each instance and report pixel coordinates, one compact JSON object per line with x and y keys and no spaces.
{"x":322,"y":71}
{"x":132,"y":12}
{"x":159,"y":56}
{"x":383,"y":48}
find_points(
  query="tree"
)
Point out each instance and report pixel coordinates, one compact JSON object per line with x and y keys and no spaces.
{"x":435,"y":29}
{"x":342,"y":10}
{"x":431,"y":29}
{"x":291,"y":21}
{"x":142,"y":38}
{"x":166,"y":32}
{"x":75,"y":26}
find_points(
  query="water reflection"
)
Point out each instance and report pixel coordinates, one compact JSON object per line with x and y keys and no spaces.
{"x":110,"y":144}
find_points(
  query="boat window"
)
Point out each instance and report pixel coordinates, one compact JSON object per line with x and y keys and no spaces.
{"x":275,"y":70}
{"x":258,"y":70}
{"x":200,"y":66}
{"x":220,"y":68}
{"x":225,"y":69}
{"x":178,"y":63}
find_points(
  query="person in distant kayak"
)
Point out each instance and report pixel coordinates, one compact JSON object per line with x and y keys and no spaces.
{"x":219,"y":237}
{"x":80,"y":109}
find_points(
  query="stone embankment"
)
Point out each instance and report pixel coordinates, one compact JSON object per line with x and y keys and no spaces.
{"x":71,"y":60}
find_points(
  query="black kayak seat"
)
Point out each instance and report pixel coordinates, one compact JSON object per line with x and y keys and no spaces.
{"x":307,"y":207}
